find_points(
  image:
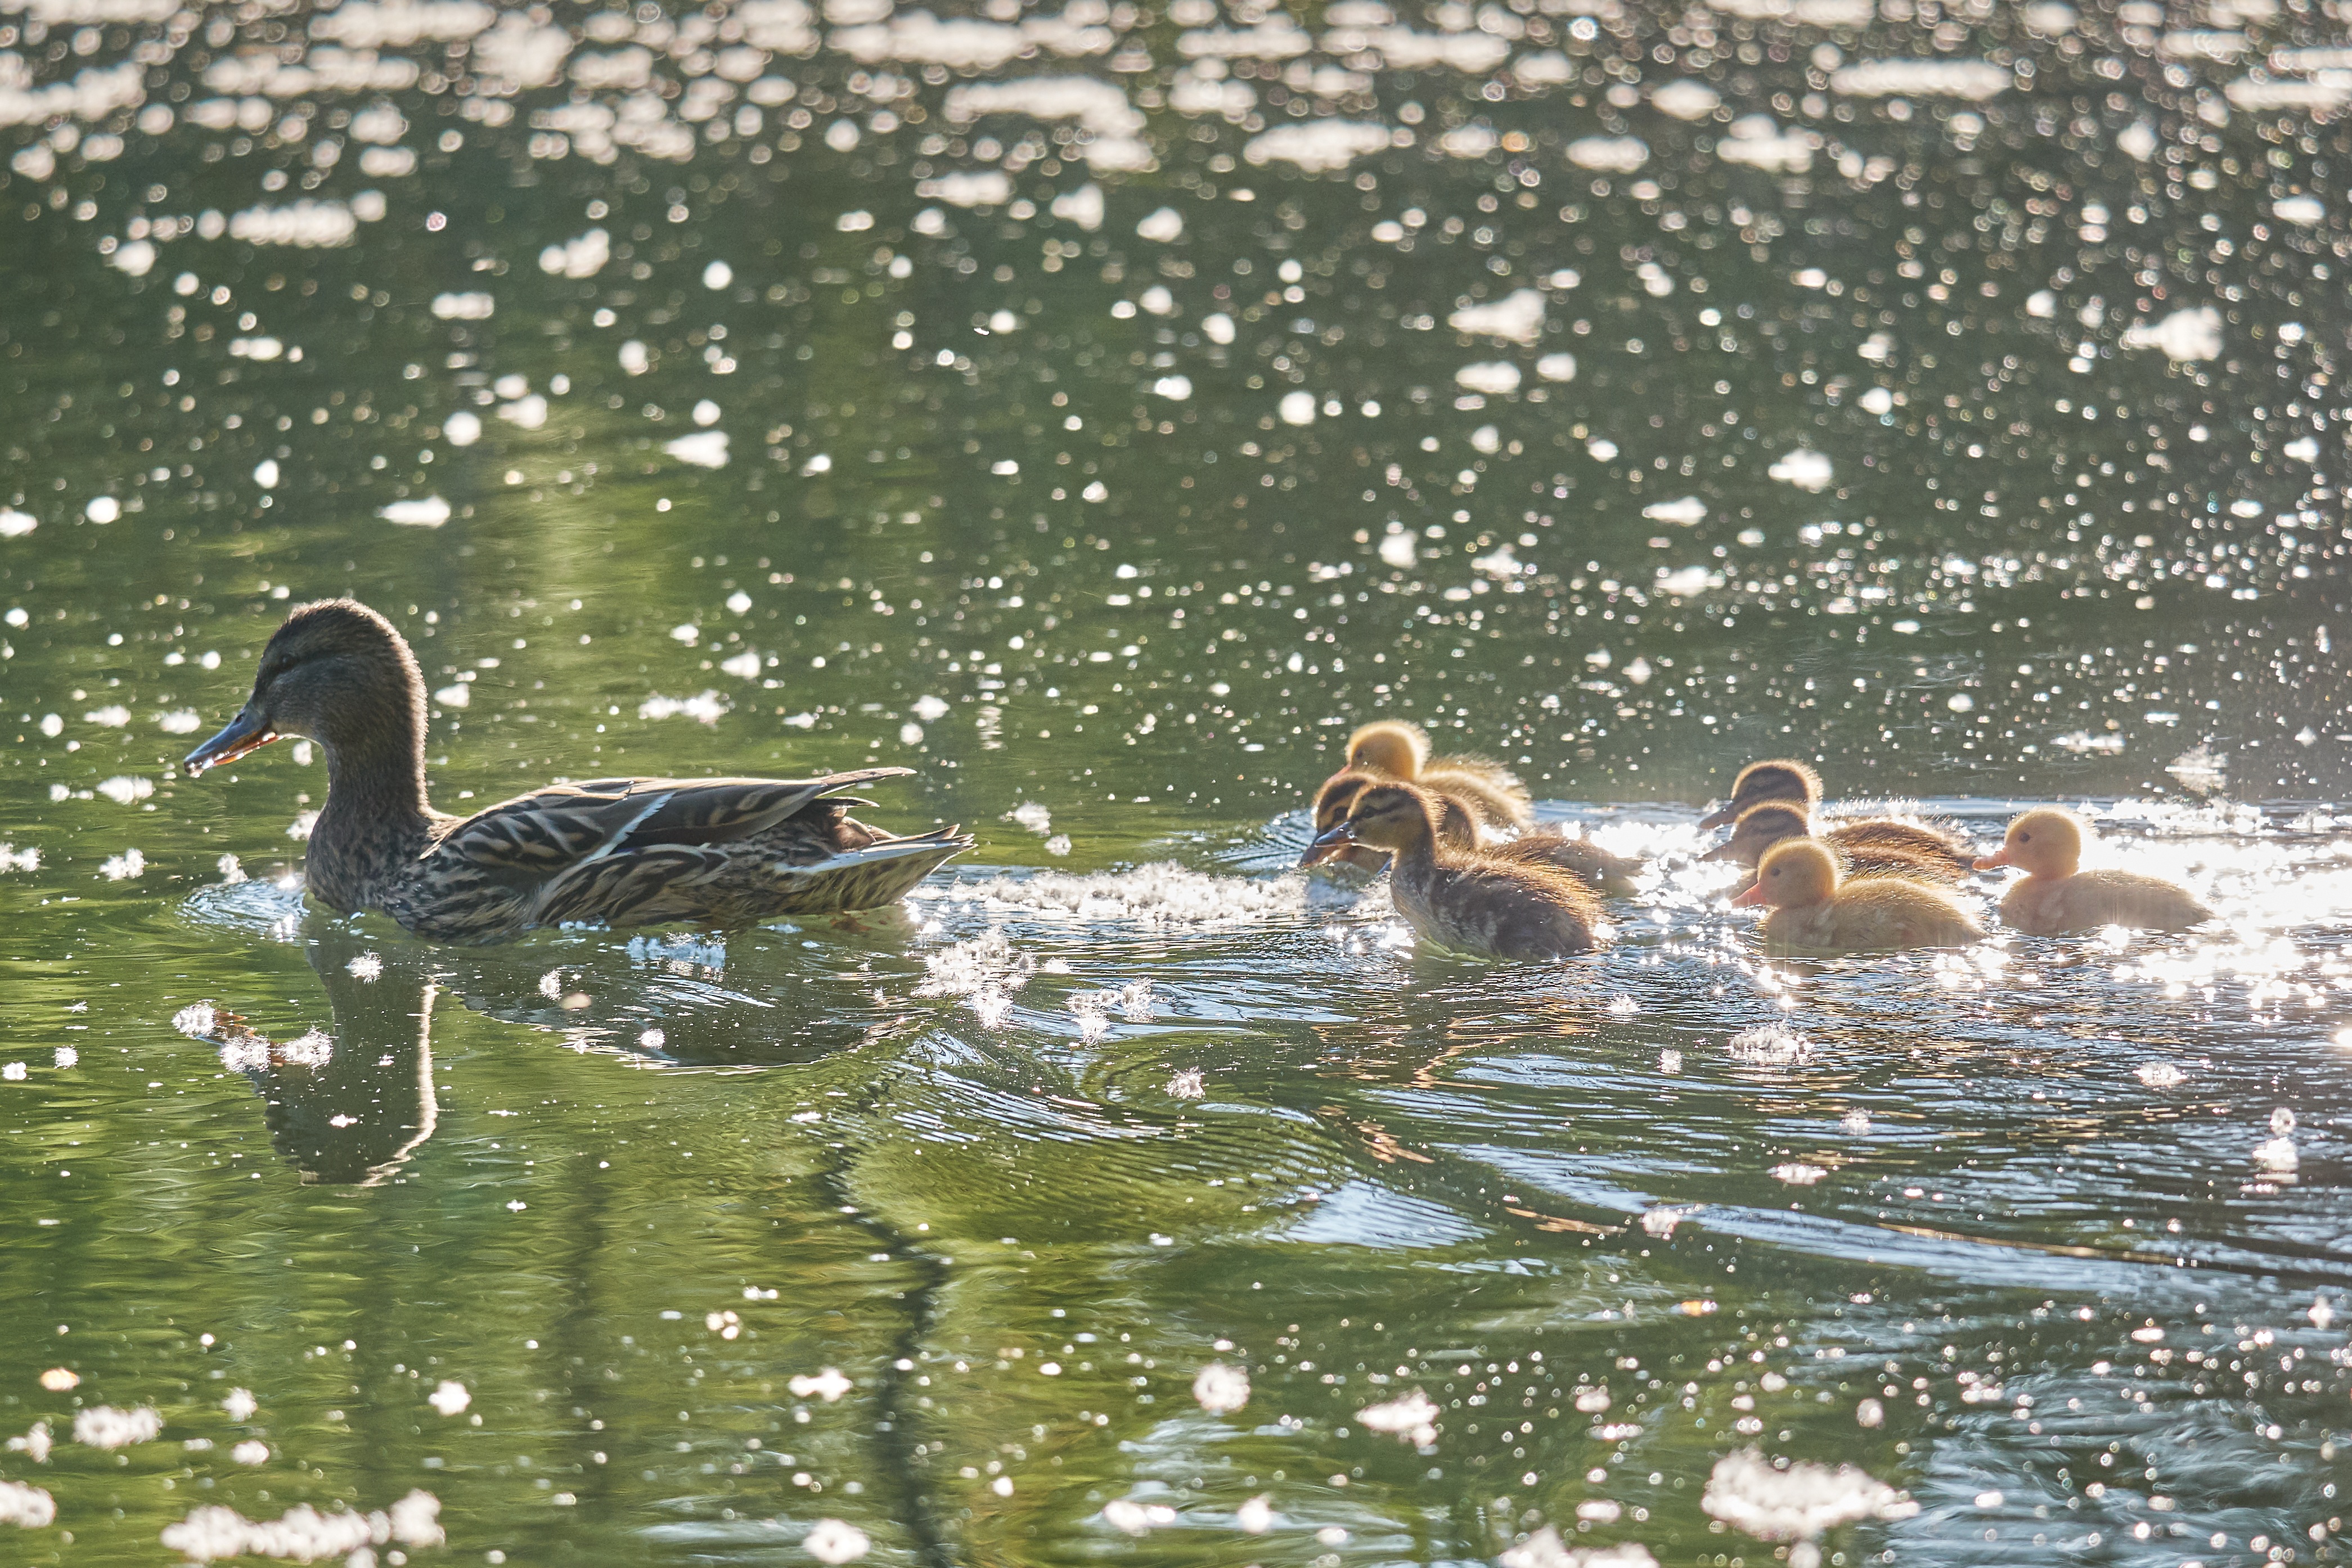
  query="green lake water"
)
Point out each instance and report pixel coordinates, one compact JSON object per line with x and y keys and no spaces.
{"x":1100,"y":411}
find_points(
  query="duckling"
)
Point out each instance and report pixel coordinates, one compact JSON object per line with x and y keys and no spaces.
{"x":1331,"y":803}
{"x":1784,"y":779}
{"x":1458,"y":830}
{"x":1865,"y":846}
{"x":1815,"y":909}
{"x":2053,"y":896}
{"x":1396,"y":749}
{"x":1470,"y":900}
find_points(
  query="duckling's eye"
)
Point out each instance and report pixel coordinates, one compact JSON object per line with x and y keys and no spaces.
{"x":2025,"y":838}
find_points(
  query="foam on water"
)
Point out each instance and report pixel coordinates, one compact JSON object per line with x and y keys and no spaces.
{"x":1317,"y":146}
{"x":1411,"y":1417}
{"x":1220,"y":1388}
{"x":303,"y":1535}
{"x":1154,"y":897}
{"x":26,"y":1505}
{"x":1516,"y":317}
{"x":1973,"y":79}
{"x":1796,"y":1500}
{"x":1545,"y":1548}
{"x":104,"y":1427}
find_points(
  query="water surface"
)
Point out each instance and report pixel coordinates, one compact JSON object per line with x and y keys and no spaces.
{"x":1100,"y":411}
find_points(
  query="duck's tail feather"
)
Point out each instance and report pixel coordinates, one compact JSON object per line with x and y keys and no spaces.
{"x":865,"y":878}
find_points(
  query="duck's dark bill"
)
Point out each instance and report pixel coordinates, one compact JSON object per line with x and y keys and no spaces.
{"x":242,"y":735}
{"x":1327,"y":845}
{"x":1721,"y":817}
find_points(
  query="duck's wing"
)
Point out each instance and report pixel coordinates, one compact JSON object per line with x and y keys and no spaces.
{"x":632,"y":852}
{"x":549,"y":831}
{"x":740,"y":884}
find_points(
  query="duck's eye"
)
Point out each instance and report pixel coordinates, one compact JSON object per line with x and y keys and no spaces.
{"x":2025,"y":838}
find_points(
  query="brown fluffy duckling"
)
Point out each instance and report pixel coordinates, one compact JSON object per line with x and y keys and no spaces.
{"x":616,"y":852}
{"x":2054,"y":896}
{"x":1470,"y":900}
{"x":1815,"y":909}
{"x":1392,"y":749}
{"x":1458,"y":830}
{"x":1872,"y":847}
{"x":1784,"y":779}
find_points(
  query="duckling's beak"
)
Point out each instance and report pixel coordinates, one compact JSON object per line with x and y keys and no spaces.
{"x":248,"y":732}
{"x":1723,"y":816}
{"x":1336,"y":842}
{"x":1754,"y":895}
{"x":1995,"y":861}
{"x":1722,"y":852}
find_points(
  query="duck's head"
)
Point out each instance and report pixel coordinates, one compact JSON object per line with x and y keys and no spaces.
{"x":1762,"y":827}
{"x":2044,"y":842}
{"x":1331,"y":804}
{"x":1798,"y":872}
{"x":1397,"y":818}
{"x":1390,"y":746}
{"x":336,"y":672}
{"x":1781,"y":778}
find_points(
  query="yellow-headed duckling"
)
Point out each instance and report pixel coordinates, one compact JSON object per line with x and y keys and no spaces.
{"x":2053,"y":896}
{"x":1458,"y":829}
{"x":1816,"y":910}
{"x":1393,"y":748}
{"x":1872,"y":847}
{"x":1784,"y":780}
{"x":1468,"y":900}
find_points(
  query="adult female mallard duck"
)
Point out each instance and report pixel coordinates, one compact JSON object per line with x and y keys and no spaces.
{"x":1867,"y":848}
{"x":1469,"y":900}
{"x":1815,"y":909}
{"x":2055,"y":896}
{"x":1898,"y":837}
{"x":1458,"y":830}
{"x":1390,"y":748}
{"x":617,"y":851}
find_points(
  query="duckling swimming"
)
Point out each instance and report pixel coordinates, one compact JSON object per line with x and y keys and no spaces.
{"x":1468,"y":900}
{"x":1816,"y":910}
{"x":1331,"y":803}
{"x":2053,"y":896}
{"x":1392,"y":749}
{"x":1458,"y":829}
{"x":1866,"y":848}
{"x":1785,"y":779}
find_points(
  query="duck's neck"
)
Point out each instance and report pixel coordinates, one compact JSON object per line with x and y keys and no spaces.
{"x":1416,"y":860}
{"x":376,"y":817}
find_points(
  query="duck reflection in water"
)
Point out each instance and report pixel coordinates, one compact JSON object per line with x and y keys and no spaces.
{"x":348,"y":1108}
{"x":352,"y":1103}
